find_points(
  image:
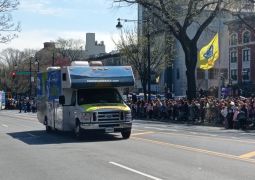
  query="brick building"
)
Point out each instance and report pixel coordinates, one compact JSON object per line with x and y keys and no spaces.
{"x":242,"y":55}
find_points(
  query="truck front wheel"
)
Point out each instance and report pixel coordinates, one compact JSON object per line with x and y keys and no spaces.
{"x":126,"y":133}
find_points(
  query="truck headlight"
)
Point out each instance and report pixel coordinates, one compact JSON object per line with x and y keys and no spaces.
{"x":128,"y":116}
{"x":86,"y":116}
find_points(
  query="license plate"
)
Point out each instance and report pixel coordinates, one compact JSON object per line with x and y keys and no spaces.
{"x":109,"y":130}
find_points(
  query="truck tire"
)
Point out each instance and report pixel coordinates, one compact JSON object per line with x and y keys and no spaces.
{"x":77,"y":130}
{"x":126,"y":133}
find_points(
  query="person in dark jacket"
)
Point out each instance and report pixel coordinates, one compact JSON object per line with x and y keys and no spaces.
{"x":230,"y":114}
{"x":242,"y":117}
{"x":20,"y":103}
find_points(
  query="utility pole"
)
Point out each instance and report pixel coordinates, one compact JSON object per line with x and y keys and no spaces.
{"x":53,"y":59}
{"x":30,"y":75}
{"x":149,"y":63}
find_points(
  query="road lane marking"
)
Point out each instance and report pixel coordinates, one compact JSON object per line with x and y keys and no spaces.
{"x":214,"y":137}
{"x":194,"y":133}
{"x":251,"y":141}
{"x":162,"y":129}
{"x":133,"y":129}
{"x":22,"y":118}
{"x":31,"y":135}
{"x":248,"y":155}
{"x":142,"y":133}
{"x":206,"y":134}
{"x":4,"y":125}
{"x":187,"y":148}
{"x":135,"y":171}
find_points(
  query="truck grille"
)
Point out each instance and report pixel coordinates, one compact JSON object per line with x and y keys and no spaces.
{"x":109,"y":116}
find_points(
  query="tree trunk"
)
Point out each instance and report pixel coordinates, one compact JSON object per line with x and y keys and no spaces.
{"x":191,"y":63}
{"x":144,"y":85}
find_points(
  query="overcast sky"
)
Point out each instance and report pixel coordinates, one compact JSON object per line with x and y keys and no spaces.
{"x":47,"y":20}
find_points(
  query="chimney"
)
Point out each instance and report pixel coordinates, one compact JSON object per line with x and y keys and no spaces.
{"x":49,"y":45}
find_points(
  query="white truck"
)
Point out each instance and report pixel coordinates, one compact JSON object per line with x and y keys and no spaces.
{"x":81,"y":97}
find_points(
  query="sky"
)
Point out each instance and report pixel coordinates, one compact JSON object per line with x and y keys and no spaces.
{"x":47,"y":20}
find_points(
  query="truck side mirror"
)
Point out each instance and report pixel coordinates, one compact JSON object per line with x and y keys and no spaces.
{"x":62,"y":100}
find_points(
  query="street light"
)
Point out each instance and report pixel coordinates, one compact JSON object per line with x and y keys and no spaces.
{"x":38,"y":69}
{"x":53,"y":59}
{"x":14,"y":79}
{"x":15,"y":66}
{"x":30,"y":77}
{"x":37,"y":63}
{"x":222,"y":84}
{"x":119,"y":26}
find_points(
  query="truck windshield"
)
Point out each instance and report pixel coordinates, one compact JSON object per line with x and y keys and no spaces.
{"x":91,"y":96}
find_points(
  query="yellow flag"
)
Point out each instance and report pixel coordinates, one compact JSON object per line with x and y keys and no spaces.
{"x":209,"y":54}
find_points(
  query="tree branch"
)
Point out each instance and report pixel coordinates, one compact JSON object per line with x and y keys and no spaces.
{"x":207,"y":22}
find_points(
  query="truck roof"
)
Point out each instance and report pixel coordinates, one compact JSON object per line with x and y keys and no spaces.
{"x":100,"y":76}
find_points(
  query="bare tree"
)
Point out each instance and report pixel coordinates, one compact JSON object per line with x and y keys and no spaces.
{"x":70,"y":48}
{"x":244,"y":11}
{"x":13,"y":60}
{"x":8,"y":28}
{"x":179,"y":16}
{"x":134,"y":50}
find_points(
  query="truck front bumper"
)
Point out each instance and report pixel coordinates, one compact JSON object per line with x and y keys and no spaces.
{"x":107,"y":127}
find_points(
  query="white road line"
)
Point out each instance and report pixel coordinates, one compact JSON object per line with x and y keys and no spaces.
{"x":193,"y":133}
{"x":232,"y":137}
{"x":4,"y":125}
{"x":31,"y":135}
{"x":213,"y":135}
{"x":162,"y":129}
{"x":247,"y":134}
{"x":175,"y":130}
{"x":31,"y":119}
{"x":133,"y":129}
{"x":206,"y":134}
{"x":135,"y":171}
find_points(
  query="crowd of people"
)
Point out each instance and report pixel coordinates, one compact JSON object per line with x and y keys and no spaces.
{"x":23,"y":105}
{"x":231,"y":112}
{"x":26,"y":105}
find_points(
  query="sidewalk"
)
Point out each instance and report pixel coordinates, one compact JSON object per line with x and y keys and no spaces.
{"x":192,"y":124}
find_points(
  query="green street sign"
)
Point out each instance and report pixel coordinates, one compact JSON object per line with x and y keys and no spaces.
{"x":23,"y":73}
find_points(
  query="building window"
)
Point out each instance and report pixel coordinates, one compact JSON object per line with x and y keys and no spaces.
{"x":246,"y":37}
{"x":233,"y":39}
{"x":233,"y":57}
{"x":200,"y":74}
{"x":233,"y":74}
{"x":246,"y":74}
{"x":246,"y":55}
{"x":177,"y":74}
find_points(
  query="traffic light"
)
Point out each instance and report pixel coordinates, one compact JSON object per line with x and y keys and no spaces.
{"x":13,"y":75}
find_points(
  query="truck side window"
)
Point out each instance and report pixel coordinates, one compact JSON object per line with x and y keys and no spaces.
{"x":73,"y":100}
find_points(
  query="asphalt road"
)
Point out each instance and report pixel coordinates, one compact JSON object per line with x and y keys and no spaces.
{"x":155,"y":151}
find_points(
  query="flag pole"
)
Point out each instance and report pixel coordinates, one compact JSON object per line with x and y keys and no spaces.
{"x":219,"y":72}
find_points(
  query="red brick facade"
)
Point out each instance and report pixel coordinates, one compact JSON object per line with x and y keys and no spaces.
{"x":244,"y":46}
